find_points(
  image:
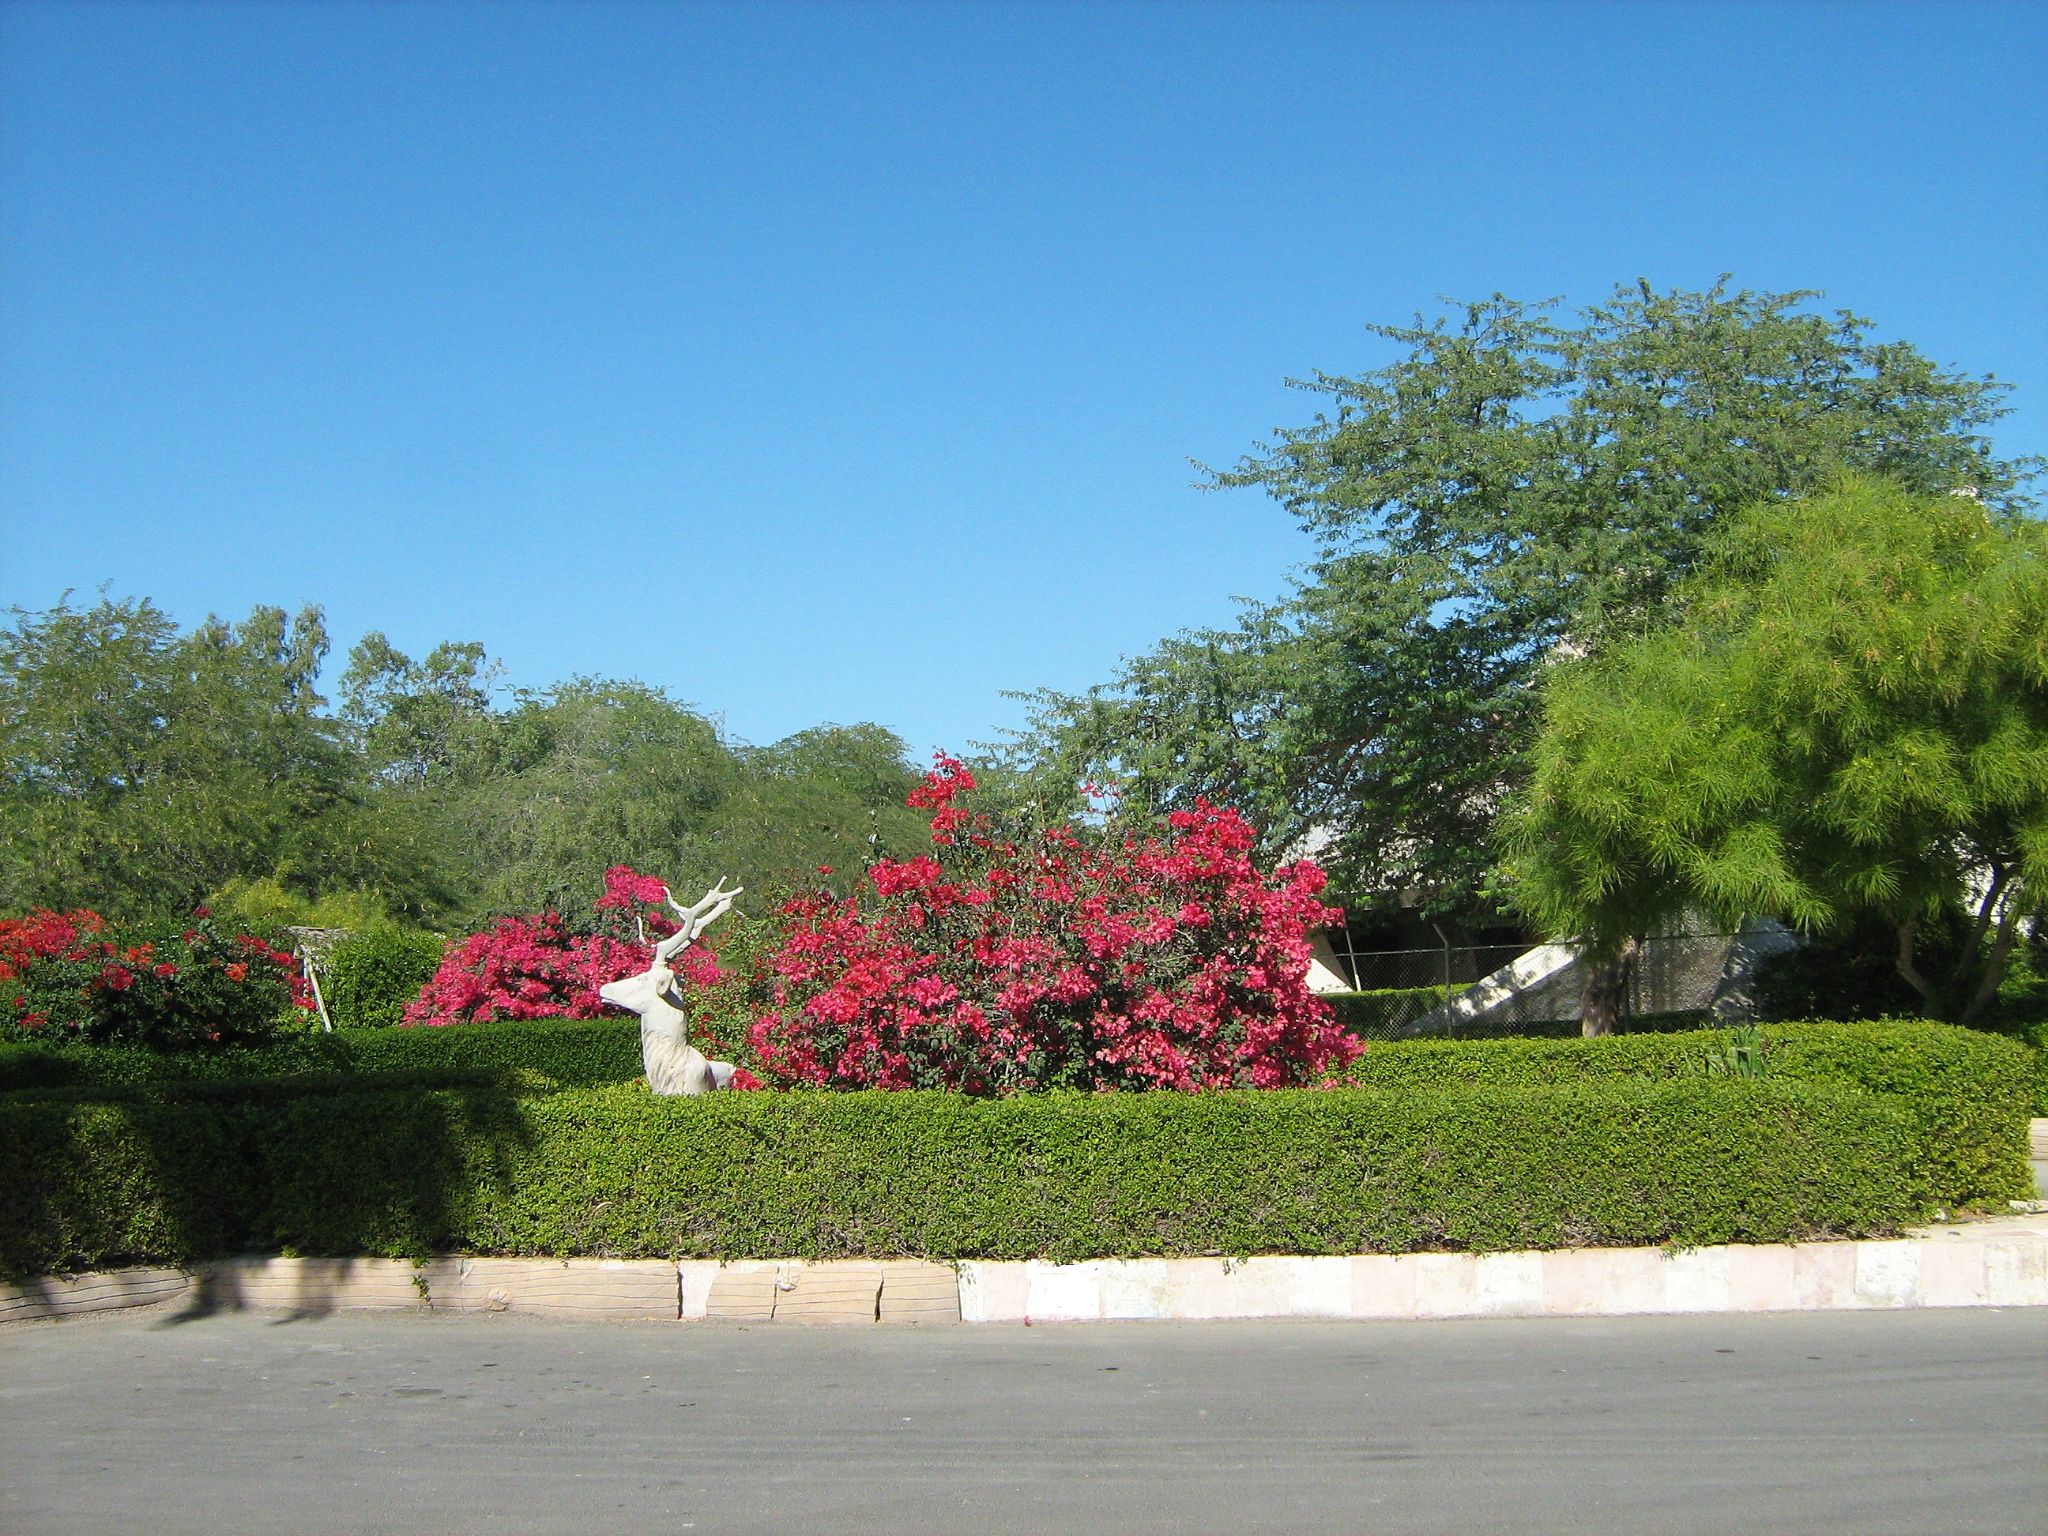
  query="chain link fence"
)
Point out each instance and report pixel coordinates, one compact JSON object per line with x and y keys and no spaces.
{"x":1501,"y":989}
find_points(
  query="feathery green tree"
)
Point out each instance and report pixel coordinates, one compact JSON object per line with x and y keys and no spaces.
{"x":1848,"y":718}
{"x":142,"y":769}
{"x":1518,"y":478}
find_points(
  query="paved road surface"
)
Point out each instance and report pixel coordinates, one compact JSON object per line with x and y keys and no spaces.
{"x":1911,"y":1422}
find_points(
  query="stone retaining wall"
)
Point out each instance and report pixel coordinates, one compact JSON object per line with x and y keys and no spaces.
{"x":1999,"y":1263}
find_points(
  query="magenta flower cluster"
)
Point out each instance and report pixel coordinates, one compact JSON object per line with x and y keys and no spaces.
{"x":1161,"y":959}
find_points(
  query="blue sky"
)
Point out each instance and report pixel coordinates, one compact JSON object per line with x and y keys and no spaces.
{"x":843,"y":362}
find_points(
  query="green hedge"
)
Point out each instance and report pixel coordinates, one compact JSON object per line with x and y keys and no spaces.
{"x":369,"y":977}
{"x":531,"y":1138}
{"x":571,"y":1052}
{"x":1969,"y":1093}
{"x":326,"y":1167}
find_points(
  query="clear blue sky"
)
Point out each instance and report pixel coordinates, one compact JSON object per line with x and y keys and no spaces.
{"x":841,"y":362}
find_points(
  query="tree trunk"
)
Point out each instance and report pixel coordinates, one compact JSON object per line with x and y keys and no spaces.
{"x":1908,"y":930}
{"x":1600,"y":1005}
{"x":1986,"y":909}
{"x":1994,"y":970}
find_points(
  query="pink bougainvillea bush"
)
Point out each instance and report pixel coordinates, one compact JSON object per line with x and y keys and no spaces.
{"x":66,"y":976}
{"x":1069,"y":959}
{"x":543,"y":967}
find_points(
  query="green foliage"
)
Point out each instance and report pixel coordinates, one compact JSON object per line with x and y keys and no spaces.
{"x":1744,"y":1053}
{"x":370,"y":976}
{"x":141,"y":768}
{"x":547,"y":795}
{"x":143,"y":771}
{"x":266,"y":905}
{"x":1515,"y":479}
{"x":1851,"y":971}
{"x":411,"y":1141}
{"x":408,"y":1168}
{"x":419,"y":722}
{"x":1850,"y":718}
{"x":1967,"y":1092}
{"x":563,"y":1052}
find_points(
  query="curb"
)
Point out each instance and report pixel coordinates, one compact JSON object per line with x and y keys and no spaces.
{"x":1995,"y":1263}
{"x":1978,"y":1264}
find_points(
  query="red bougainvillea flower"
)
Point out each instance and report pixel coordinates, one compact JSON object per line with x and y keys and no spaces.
{"x":540,"y":967}
{"x":1154,"y":958}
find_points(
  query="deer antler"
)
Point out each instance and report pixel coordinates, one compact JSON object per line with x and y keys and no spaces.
{"x":695,"y":919}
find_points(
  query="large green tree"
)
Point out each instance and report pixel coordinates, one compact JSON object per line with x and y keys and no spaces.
{"x":543,"y":796}
{"x":142,"y":768}
{"x":418,"y":722}
{"x":1519,"y":479}
{"x":1847,"y":718}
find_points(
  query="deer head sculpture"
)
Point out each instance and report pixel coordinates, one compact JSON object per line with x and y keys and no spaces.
{"x":673,"y":1065}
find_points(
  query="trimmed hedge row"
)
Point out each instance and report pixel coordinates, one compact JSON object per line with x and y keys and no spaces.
{"x":325,"y":1167}
{"x":570,"y":1052}
{"x":1969,"y":1093}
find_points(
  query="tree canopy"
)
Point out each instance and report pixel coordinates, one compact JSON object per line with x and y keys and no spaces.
{"x":1520,"y":478}
{"x":144,"y":769}
{"x":141,"y":767}
{"x":1847,"y":718}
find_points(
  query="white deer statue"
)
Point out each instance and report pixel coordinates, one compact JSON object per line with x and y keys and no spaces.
{"x":673,"y":1065}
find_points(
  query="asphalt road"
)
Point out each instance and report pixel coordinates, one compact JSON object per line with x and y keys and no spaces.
{"x":1911,"y":1422}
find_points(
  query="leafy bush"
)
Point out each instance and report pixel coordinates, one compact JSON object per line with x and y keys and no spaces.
{"x":62,"y":976}
{"x":567,"y":1052}
{"x":374,"y":974}
{"x":1968,"y":1092}
{"x":541,"y":967}
{"x":267,"y":905}
{"x":408,"y":1167}
{"x":1851,"y":973}
{"x":1153,"y":959}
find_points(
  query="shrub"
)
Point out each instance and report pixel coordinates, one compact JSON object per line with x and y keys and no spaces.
{"x":1852,"y":972}
{"x":408,"y":1167}
{"x":541,"y":967}
{"x":373,"y":975}
{"x":266,"y":905}
{"x":47,"y":960}
{"x":1142,"y":960}
{"x":1967,"y":1092}
{"x":62,"y":976}
{"x":567,"y":1052}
